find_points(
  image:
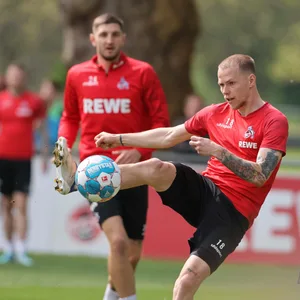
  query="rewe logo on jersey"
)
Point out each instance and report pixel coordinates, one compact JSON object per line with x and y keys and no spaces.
{"x":106,"y":106}
{"x":251,"y":145}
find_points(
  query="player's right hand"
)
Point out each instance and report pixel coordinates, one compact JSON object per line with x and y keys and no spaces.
{"x":107,"y":140}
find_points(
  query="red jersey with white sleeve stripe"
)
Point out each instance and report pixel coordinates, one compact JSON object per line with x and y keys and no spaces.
{"x":17,"y":116}
{"x":127,"y":98}
{"x":266,"y":127}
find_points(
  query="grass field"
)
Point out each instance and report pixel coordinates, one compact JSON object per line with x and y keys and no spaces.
{"x":78,"y":278}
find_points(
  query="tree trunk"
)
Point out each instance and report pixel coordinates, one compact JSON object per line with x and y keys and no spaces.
{"x":161,"y":32}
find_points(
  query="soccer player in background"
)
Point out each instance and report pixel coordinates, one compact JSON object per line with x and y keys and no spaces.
{"x":116,"y":93}
{"x":248,"y":139}
{"x":20,"y":111}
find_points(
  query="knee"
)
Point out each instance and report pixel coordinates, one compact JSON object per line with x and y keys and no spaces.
{"x":134,"y":259}
{"x":21,"y":209}
{"x":185,"y":284}
{"x":119,"y":246}
{"x":154,"y":164}
{"x":7,"y":206}
{"x":154,"y":167}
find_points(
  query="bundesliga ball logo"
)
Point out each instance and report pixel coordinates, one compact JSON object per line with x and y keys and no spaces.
{"x":98,"y":178}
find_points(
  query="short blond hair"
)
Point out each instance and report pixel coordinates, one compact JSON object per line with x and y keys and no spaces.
{"x":244,"y":62}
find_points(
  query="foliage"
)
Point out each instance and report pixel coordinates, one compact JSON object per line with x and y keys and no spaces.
{"x":30,"y":32}
{"x":267,"y":30}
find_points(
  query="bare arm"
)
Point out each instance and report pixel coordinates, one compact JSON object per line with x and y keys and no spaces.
{"x":158,"y":138}
{"x":255,"y":172}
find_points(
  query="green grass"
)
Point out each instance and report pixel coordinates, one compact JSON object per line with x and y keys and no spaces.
{"x":78,"y":278}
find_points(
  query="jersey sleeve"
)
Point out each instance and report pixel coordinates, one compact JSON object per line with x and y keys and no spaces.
{"x":197,"y":124}
{"x":276,"y":134}
{"x":70,"y":120}
{"x":155,"y":102}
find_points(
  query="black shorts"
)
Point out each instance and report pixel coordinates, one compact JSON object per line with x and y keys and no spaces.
{"x":131,"y":205}
{"x":220,"y":227}
{"x":14,"y":176}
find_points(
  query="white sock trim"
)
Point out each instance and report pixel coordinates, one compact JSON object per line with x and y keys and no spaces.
{"x":110,"y":294}
{"x":132,"y":297}
{"x":8,"y":246}
{"x":20,"y":246}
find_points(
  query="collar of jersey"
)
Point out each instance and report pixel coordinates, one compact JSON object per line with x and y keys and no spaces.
{"x":118,"y":64}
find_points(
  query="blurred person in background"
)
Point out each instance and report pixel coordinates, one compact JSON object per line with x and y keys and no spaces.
{"x":19,"y":110}
{"x":112,"y":92}
{"x":192,"y":104}
{"x":49,"y":92}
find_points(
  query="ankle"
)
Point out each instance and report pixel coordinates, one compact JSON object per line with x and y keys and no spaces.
{"x":8,"y":247}
{"x":110,"y":293}
{"x":20,"y":246}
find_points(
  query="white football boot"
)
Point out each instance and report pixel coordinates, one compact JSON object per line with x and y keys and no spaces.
{"x":65,"y":171}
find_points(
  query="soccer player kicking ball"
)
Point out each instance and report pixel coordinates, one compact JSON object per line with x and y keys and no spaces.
{"x":112,"y":92}
{"x":247,"y":142}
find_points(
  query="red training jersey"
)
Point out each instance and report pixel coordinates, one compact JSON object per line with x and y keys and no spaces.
{"x":128,"y":98}
{"x":17,"y":116}
{"x":266,"y":127}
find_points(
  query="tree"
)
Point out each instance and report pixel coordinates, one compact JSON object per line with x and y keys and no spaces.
{"x":161,"y":32}
{"x":267,"y":30}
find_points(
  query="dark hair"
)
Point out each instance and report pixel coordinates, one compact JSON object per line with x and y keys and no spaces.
{"x":244,"y":62}
{"x":108,"y":19}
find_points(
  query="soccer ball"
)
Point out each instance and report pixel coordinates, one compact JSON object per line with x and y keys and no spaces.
{"x":98,"y":178}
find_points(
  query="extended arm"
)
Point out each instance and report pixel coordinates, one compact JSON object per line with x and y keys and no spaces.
{"x":158,"y":138}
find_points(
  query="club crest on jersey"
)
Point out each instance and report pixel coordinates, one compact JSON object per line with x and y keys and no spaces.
{"x":92,"y":81}
{"x":24,"y":110}
{"x":123,"y":84}
{"x":249,"y":133}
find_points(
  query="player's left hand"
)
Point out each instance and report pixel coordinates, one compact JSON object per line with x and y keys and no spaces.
{"x":204,"y":146}
{"x":127,"y":156}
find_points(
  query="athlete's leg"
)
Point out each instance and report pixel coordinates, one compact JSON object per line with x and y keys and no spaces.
{"x":218,"y":234}
{"x":6,"y":208}
{"x":119,"y":267}
{"x":20,"y":200}
{"x":194,"y":271}
{"x":152,"y":172}
{"x":135,"y":250}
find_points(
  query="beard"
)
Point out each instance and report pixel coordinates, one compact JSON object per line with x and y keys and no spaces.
{"x":110,"y":57}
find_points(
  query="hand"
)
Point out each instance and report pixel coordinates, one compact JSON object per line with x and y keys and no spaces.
{"x":107,"y":140}
{"x":204,"y":146}
{"x":127,"y":156}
